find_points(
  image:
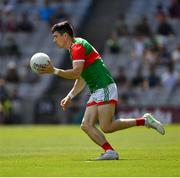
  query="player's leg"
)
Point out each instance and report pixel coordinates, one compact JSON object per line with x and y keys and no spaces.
{"x":108,"y":125}
{"x":106,"y":122}
{"x":88,"y":126}
{"x":106,"y":100}
{"x":107,"y":97}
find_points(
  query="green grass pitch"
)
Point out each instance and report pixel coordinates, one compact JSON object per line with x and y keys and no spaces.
{"x":66,"y":150}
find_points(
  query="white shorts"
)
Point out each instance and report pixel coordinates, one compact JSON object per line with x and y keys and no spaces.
{"x":104,"y":96}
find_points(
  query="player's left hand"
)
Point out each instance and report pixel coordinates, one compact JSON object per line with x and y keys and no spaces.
{"x":65,"y":103}
{"x":48,"y":69}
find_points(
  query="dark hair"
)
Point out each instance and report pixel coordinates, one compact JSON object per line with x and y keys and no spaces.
{"x":63,"y":27}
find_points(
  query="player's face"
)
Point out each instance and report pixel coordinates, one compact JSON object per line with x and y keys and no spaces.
{"x":59,"y":39}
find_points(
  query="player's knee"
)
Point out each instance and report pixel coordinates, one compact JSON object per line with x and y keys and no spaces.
{"x":85,"y":126}
{"x":106,"y":129}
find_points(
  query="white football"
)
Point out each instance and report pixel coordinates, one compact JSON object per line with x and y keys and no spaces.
{"x":39,"y":60}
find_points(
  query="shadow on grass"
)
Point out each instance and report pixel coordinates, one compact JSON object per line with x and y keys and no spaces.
{"x":123,"y":159}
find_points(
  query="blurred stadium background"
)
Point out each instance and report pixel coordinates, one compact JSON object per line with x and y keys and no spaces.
{"x":139,"y":41}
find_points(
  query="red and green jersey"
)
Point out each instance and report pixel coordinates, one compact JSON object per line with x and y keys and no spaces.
{"x":95,"y":73}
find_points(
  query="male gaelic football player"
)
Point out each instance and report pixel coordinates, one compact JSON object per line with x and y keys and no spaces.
{"x":88,"y":69}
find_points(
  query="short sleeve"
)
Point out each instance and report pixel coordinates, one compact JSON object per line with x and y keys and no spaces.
{"x":78,"y":52}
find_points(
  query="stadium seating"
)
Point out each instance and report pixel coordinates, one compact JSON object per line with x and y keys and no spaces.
{"x":30,"y":42}
{"x":158,"y":96}
{"x":130,"y":56}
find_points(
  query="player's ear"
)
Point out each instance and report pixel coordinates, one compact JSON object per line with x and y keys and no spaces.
{"x":65,"y":35}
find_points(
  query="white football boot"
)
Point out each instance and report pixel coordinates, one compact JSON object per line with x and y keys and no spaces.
{"x":151,"y":122}
{"x":109,"y":155}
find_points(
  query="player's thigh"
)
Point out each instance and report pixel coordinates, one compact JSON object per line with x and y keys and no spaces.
{"x":90,"y":116}
{"x":105,"y":115}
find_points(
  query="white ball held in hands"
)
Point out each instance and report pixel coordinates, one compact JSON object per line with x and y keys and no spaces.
{"x":39,"y":60}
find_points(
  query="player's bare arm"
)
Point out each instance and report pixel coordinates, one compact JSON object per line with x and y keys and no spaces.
{"x":73,"y":73}
{"x":77,"y":88}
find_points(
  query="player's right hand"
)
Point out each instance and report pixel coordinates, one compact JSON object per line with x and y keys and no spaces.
{"x":65,"y":103}
{"x":48,"y":69}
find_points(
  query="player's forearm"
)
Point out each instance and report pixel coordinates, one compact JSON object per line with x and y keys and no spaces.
{"x":78,"y":87}
{"x":67,"y":74}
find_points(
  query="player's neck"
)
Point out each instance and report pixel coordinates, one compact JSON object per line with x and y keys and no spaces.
{"x":69,"y":43}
